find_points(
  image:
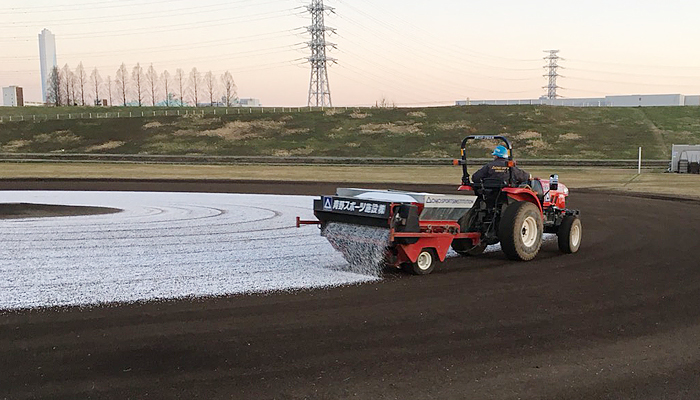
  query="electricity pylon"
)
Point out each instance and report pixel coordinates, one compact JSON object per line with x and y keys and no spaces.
{"x":552,"y":65}
{"x":319,"y":89}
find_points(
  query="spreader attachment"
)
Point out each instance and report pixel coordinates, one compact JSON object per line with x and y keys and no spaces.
{"x":374,"y":228}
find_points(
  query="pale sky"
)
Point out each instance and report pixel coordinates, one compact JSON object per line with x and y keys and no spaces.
{"x":408,"y":53}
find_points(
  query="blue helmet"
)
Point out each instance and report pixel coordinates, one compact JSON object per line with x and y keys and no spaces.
{"x":500,"y":152}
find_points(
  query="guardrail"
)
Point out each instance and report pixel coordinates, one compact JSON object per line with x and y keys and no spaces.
{"x":274,"y":160}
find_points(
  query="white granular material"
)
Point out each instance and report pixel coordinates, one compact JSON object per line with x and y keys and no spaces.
{"x":364,"y":247}
{"x":162,"y":246}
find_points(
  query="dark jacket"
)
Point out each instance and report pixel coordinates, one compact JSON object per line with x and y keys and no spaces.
{"x":498,"y":169}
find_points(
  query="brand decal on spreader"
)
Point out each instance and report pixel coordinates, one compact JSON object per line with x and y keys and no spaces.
{"x":446,"y":201}
{"x":359,"y":207}
{"x":327,"y":203}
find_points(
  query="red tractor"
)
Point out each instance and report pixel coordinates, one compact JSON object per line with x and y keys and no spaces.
{"x":516,"y":215}
{"x":422,"y":226}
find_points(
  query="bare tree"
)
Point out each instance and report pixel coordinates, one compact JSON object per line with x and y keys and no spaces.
{"x":230,"y":92}
{"x":210,"y":82}
{"x":54,"y":93}
{"x":96,"y":81}
{"x":81,"y":79}
{"x":165,"y":77}
{"x":152,"y":81}
{"x":195,"y":79}
{"x":122,"y":81}
{"x":180,"y":78}
{"x":137,"y":77}
{"x":65,"y":93}
{"x":109,"y":89}
{"x":74,"y":88}
{"x":67,"y":81}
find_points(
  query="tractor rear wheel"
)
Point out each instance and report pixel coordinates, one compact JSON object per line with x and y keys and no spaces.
{"x":520,"y":231}
{"x":569,"y":234}
{"x":425,"y":263}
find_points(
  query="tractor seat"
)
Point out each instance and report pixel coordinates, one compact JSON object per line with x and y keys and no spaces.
{"x":491,"y":183}
{"x":489,"y":186}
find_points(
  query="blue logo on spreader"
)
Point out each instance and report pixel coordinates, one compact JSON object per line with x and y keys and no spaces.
{"x":327,"y":203}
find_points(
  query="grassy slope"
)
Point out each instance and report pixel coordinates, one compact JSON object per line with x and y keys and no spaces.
{"x":537,"y":132}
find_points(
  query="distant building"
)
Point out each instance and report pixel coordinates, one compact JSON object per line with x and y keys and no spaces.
{"x":172,"y":101}
{"x":47,"y":58}
{"x":646,"y":100}
{"x":632,"y":100}
{"x":692,"y":100}
{"x":12,"y":96}
{"x":578,"y":102}
{"x":249,"y":103}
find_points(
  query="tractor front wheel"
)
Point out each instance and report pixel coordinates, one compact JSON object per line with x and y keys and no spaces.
{"x":520,"y":231}
{"x":569,"y":234}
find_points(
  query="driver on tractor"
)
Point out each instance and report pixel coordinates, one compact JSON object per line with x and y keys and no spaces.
{"x":498,"y":169}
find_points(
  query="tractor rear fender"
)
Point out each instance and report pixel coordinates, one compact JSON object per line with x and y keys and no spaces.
{"x":410,"y":252}
{"x":523,"y":194}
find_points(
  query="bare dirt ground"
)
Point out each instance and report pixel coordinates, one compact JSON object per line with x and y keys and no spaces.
{"x":618,"y":320}
{"x":31,"y":210}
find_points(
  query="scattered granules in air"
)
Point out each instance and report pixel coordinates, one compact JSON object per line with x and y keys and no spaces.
{"x":364,"y":247}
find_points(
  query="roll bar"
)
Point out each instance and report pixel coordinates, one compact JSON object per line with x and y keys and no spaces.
{"x":463,"y":160}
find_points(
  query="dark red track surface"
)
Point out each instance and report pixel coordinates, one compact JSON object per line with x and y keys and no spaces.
{"x":618,"y":320}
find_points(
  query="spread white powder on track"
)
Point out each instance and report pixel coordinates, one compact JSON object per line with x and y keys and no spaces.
{"x":163,"y":245}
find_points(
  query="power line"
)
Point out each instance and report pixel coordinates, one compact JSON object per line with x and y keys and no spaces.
{"x":435,"y":52}
{"x":435,"y":42}
{"x":188,"y":46}
{"x":627,"y":83}
{"x":130,"y":17}
{"x":398,"y":72}
{"x":642,"y":75}
{"x":80,"y":6}
{"x":168,"y":28}
{"x":449,"y":82}
{"x":632,"y":65}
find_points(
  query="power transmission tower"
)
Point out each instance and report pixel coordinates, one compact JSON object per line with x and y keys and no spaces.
{"x":319,"y":89}
{"x":553,"y":65}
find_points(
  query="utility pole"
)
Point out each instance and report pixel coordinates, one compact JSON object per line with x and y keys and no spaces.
{"x":319,"y":89}
{"x":552,"y":65}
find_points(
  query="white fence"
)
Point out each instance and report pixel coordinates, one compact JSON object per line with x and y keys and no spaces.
{"x":162,"y":113}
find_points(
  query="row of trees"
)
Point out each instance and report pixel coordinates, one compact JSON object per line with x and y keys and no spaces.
{"x":140,"y":87}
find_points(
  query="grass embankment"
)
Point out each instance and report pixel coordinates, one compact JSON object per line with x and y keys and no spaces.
{"x":590,"y":178}
{"x":537,"y":132}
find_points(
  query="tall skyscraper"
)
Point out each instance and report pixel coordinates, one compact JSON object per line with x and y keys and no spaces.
{"x":47,"y":58}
